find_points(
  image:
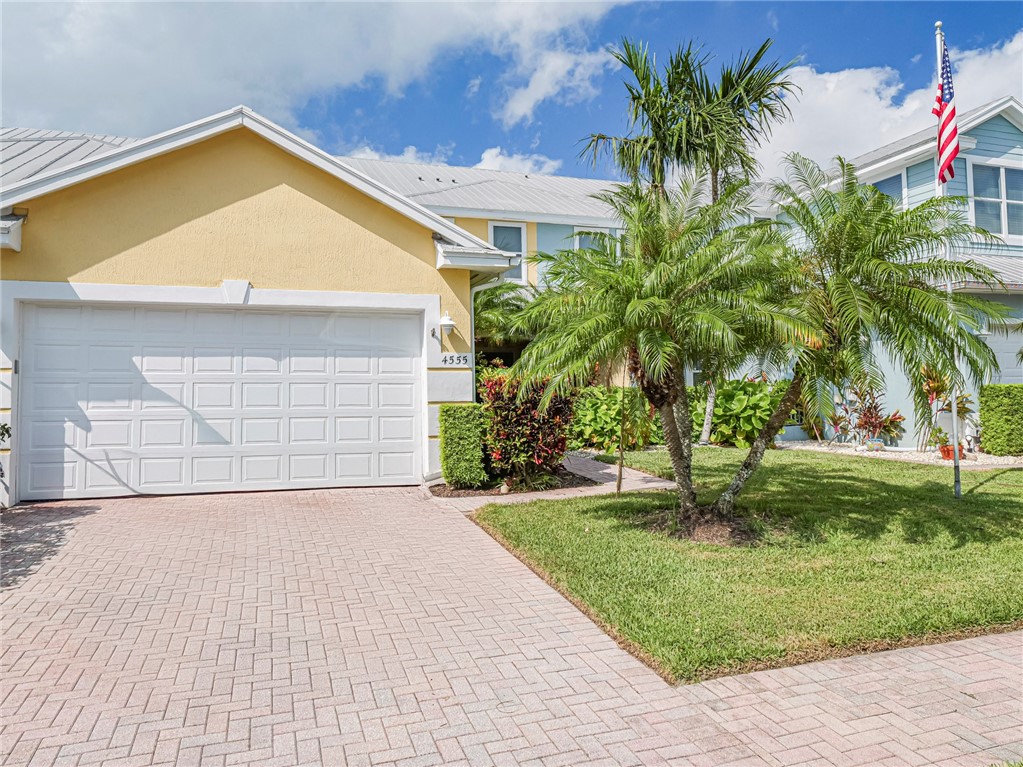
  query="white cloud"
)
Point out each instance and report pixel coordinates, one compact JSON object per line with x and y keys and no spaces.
{"x":566,"y":76}
{"x":855,"y":110}
{"x":137,"y":68}
{"x":495,"y":158}
{"x":772,"y":19}
{"x":438,"y":156}
{"x":473,"y":87}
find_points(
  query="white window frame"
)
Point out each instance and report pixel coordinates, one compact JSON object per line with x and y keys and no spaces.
{"x":576,"y":230}
{"x":524,"y":279}
{"x":1002,"y":164}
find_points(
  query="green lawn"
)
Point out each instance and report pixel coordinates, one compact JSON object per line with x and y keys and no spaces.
{"x":852,"y":553}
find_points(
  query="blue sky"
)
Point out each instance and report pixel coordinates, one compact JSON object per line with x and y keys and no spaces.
{"x":829,"y":36}
{"x":513,"y":86}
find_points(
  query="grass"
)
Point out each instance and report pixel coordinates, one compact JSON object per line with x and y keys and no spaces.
{"x":850,"y":554}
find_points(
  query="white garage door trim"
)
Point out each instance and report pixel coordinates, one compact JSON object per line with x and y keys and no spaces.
{"x":456,"y":384}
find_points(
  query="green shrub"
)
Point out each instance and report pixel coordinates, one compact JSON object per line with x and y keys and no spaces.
{"x":462,"y":431}
{"x":1001,"y":419}
{"x":523,"y":439}
{"x":740,"y":410}
{"x":597,"y":419}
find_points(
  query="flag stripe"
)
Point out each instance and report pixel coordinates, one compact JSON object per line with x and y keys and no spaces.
{"x":948,"y":129}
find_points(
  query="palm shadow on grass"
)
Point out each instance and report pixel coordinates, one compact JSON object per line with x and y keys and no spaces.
{"x":32,"y":534}
{"x":808,"y":500}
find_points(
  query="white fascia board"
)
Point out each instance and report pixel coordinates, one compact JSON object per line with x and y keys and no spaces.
{"x":10,"y":235}
{"x":489,"y":260}
{"x":241,"y":116}
{"x":532,"y":217}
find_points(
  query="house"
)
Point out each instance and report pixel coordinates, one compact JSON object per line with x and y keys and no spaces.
{"x":222,"y":307}
{"x":989,"y":173}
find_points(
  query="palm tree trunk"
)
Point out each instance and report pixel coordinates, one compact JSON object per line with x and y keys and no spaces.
{"x":725,"y":504}
{"x":680,"y":451}
{"x":708,"y":413}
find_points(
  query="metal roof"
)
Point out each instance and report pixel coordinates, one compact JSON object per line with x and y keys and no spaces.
{"x":1008,"y":268}
{"x":448,"y":187}
{"x":28,"y":152}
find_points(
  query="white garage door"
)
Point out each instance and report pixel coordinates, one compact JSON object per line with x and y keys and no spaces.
{"x":121,"y":400}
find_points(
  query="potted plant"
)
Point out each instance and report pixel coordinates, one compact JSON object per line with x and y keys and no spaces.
{"x":939,"y":438}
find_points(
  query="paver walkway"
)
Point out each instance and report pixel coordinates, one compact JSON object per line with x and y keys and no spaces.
{"x":380,"y":627}
{"x":579,"y":463}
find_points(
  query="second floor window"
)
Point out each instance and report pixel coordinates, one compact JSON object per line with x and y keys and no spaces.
{"x":891,"y":186}
{"x":511,"y":238}
{"x":998,"y":199}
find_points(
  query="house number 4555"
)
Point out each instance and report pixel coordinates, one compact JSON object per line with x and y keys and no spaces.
{"x":454,"y":360}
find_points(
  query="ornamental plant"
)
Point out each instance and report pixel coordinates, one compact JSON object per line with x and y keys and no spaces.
{"x":526,"y":438}
{"x":741,"y":409}
{"x":462,"y":429}
{"x":1001,"y":419}
{"x":597,"y":419}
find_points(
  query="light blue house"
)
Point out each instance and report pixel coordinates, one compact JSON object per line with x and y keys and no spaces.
{"x":989,"y":173}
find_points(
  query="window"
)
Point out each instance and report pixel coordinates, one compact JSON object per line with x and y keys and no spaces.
{"x":891,"y":186}
{"x":584,"y":241}
{"x":510,"y":238}
{"x":998,"y":199}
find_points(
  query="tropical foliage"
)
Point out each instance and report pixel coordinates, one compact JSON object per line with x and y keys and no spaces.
{"x":604,"y":417}
{"x":494,"y":309}
{"x":682,"y":279}
{"x":741,"y":409}
{"x":865,"y":279}
{"x":526,"y":439}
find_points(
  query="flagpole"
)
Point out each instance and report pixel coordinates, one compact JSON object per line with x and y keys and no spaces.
{"x":939,"y":44}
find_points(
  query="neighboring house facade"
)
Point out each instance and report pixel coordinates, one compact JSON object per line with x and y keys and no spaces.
{"x":989,"y":172}
{"x":222,"y":307}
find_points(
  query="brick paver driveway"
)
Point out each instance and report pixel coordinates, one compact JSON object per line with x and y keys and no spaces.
{"x":370,"y":627}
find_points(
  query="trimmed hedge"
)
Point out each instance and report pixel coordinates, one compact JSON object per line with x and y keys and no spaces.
{"x":462,"y":430}
{"x":1001,"y":419}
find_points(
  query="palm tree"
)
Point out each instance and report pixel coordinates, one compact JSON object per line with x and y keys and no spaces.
{"x":868,"y":278}
{"x":684,"y":118}
{"x":494,"y":310}
{"x":674,"y":284}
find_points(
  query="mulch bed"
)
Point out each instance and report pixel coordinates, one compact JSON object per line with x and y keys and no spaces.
{"x":565,"y":479}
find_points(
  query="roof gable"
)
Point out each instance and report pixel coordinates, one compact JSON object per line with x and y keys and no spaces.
{"x":97,"y":163}
{"x":917,"y":146}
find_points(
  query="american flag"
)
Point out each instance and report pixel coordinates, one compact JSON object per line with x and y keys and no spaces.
{"x":945,"y":110}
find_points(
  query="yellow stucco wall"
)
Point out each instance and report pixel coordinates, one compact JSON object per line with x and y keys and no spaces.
{"x":232,"y":207}
{"x":480,"y":227}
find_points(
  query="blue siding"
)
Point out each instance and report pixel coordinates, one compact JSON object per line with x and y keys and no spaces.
{"x":957,"y":186}
{"x":920,"y":182}
{"x":998,"y":138}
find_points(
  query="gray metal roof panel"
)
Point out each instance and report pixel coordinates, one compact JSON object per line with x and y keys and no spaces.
{"x":449,"y":186}
{"x":28,"y":152}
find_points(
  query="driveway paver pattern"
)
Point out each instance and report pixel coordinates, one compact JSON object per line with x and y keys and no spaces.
{"x":369,"y":627}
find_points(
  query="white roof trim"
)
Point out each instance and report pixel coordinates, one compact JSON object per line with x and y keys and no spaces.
{"x":1009,"y":107}
{"x":239,"y":117}
{"x":518,"y":216}
{"x":10,"y":233}
{"x":489,"y":260}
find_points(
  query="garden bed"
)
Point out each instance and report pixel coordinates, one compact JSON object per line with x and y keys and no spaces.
{"x":848,"y":556}
{"x":968,"y":461}
{"x":565,"y":477}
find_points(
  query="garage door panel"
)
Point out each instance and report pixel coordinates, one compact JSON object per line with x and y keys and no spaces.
{"x":177,"y":400}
